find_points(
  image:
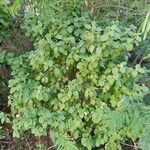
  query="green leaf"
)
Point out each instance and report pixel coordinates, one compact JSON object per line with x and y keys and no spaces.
{"x":87,"y":142}
{"x":91,"y":48}
{"x":88,"y":26}
{"x":70,"y":29}
{"x":134,"y":73}
{"x":145,"y":139}
{"x":129,"y":46}
{"x":105,"y":37}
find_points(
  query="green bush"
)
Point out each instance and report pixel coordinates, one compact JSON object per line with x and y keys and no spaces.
{"x":78,"y":84}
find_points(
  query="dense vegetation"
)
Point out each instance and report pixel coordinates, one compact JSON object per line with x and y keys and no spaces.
{"x":83,"y":83}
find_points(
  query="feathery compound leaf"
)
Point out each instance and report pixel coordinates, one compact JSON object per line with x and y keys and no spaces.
{"x":63,"y":142}
{"x":145,"y":139}
{"x":116,"y":120}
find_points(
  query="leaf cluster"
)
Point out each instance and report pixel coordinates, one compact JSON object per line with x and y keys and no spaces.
{"x":78,"y":81}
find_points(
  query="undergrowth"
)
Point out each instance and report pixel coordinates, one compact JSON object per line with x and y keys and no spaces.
{"x":78,"y":85}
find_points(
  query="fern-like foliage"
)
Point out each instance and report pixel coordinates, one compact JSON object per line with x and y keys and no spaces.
{"x":63,"y":142}
{"x":145,"y":139}
{"x":117,"y":120}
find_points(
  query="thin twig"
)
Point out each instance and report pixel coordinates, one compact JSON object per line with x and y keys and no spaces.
{"x":135,"y":145}
{"x":51,"y":147}
{"x":128,"y":145}
{"x":141,"y":60}
{"x":27,"y":143}
{"x":9,"y":46}
{"x":136,"y":58}
{"x":6,"y":142}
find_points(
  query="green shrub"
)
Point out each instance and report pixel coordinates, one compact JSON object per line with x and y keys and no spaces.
{"x":78,"y":83}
